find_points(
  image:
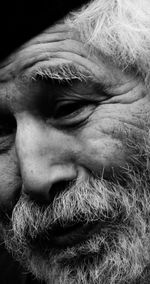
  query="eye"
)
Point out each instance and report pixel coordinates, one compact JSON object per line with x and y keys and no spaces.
{"x":70,"y":101}
{"x":68,"y":109}
{"x":7,"y":124}
{"x":7,"y":131}
{"x":73,"y":115}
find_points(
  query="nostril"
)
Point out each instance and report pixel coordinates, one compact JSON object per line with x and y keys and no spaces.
{"x":58,"y":187}
{"x":53,"y":192}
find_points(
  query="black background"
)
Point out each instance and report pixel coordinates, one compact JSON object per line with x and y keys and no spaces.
{"x":22,"y":19}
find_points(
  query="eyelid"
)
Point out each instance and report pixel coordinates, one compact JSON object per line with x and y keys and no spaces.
{"x":73,"y":120}
{"x":85,"y":96}
{"x":71,"y":113}
{"x":71,"y":97}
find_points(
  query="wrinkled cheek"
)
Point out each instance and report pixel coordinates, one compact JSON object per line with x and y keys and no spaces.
{"x":10,"y":182}
{"x":105,"y":153}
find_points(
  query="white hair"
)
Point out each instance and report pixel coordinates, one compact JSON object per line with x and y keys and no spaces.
{"x":120,"y":29}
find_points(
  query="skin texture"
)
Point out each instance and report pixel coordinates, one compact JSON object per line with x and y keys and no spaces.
{"x":49,"y":143}
{"x":43,"y":150}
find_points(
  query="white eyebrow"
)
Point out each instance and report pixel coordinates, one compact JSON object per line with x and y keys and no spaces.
{"x":64,"y":71}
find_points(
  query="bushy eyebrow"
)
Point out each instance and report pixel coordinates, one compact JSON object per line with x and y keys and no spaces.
{"x":66,"y":73}
{"x":60,"y":72}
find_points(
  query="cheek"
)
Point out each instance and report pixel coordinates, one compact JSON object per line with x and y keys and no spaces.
{"x":10,"y":183}
{"x":104,"y":146}
{"x":103,"y":153}
{"x":104,"y":139}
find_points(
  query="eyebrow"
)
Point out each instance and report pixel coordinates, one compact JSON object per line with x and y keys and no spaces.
{"x":66,"y":72}
{"x":60,"y":72}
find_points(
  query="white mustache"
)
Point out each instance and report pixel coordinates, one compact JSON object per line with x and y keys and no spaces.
{"x":91,"y":201}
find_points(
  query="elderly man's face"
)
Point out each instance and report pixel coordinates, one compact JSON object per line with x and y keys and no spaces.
{"x":73,"y":162}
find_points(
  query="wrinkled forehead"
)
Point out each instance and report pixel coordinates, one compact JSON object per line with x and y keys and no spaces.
{"x":109,"y":32}
{"x":58,"y":52}
{"x":119,"y":29}
{"x":55,"y":39}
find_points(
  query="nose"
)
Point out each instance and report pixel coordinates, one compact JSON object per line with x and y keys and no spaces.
{"x":45,"y":156}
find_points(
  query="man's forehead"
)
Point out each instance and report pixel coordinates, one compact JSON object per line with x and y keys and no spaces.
{"x":100,"y":26}
{"x":58,"y":39}
{"x":58,"y":31}
{"x":58,"y":53}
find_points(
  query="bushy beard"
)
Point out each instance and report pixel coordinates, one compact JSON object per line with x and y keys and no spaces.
{"x":117,"y":252}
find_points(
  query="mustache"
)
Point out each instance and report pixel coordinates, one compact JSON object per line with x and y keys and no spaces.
{"x":92,"y":202}
{"x":136,"y":167}
{"x":96,"y":200}
{"x":82,"y":202}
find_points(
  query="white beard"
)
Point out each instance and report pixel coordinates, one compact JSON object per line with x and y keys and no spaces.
{"x":118,"y":253}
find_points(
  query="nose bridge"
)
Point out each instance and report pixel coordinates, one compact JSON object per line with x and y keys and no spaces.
{"x":29,"y":137}
{"x":45,"y":155}
{"x":35,"y":139}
